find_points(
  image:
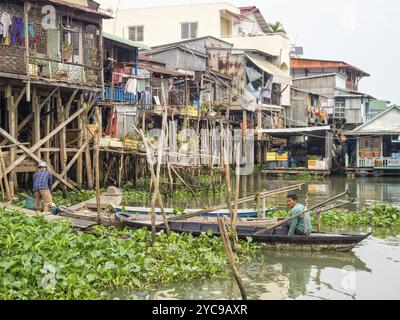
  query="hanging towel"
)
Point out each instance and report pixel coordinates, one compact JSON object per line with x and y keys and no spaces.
{"x":131,"y":86}
{"x":267,"y":90}
{"x":118,"y":72}
{"x":18,"y":35}
{"x":170,"y":84}
{"x":253,"y":92}
{"x":6,"y":23}
{"x":141,"y":85}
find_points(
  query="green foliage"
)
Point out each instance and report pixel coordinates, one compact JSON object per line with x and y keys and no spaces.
{"x":72,"y":197}
{"x":307,"y":177}
{"x":50,"y":260}
{"x":277,"y":27}
{"x":380,"y":216}
{"x":140,"y":193}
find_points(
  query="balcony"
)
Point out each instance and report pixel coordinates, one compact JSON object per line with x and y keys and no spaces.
{"x":351,"y":86}
{"x":118,"y":94}
{"x":382,"y":162}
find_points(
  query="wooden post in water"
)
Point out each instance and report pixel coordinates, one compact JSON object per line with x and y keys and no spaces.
{"x":3,"y":171}
{"x":97,"y":163}
{"x":237,"y":188}
{"x":229,"y":253}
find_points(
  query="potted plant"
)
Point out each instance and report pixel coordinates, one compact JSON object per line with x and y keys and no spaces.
{"x":67,"y":51}
{"x":218,"y":109}
{"x":92,"y":55}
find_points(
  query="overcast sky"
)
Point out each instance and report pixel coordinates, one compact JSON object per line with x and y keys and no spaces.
{"x":365,"y":33}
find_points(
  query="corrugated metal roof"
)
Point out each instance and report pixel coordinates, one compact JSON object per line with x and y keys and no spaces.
{"x":279,"y":75}
{"x":130,"y":43}
{"x":385,"y":126}
{"x":164,"y":71}
{"x":81,"y":8}
{"x":295,"y":130}
{"x":300,"y":63}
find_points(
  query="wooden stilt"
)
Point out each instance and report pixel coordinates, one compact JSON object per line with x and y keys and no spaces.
{"x":12,"y":116}
{"x":96,"y":163}
{"x":229,"y":252}
{"x":3,"y":170}
{"x":81,"y":138}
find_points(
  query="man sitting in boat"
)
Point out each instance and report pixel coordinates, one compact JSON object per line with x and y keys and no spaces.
{"x":298,"y":226}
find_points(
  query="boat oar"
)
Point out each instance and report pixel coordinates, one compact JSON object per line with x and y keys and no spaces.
{"x":329,"y":209}
{"x":302,"y":213}
{"x":241,"y":201}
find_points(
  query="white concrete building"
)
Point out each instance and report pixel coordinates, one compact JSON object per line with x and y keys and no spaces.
{"x":245,"y":28}
{"x":159,"y":25}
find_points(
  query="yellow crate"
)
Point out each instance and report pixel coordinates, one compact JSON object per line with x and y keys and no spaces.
{"x":282,"y":157}
{"x":271,"y":156}
{"x":312,"y":164}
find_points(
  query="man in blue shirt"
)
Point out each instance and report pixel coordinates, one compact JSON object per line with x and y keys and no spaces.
{"x":300,"y":226}
{"x":42,"y":183}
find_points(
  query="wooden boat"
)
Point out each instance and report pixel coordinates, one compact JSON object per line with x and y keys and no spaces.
{"x":242,"y":213}
{"x":271,"y":239}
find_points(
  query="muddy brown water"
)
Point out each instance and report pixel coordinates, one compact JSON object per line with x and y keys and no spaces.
{"x":370,"y":271}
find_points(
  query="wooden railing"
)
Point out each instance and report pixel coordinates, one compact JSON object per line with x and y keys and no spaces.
{"x":382,"y":162}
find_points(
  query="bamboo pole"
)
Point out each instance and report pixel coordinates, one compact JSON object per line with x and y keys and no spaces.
{"x":34,"y":157}
{"x":81,"y":138}
{"x":226,"y":166}
{"x":29,"y":152}
{"x":6,"y":182}
{"x":231,"y":259}
{"x":237,"y":189}
{"x":304,"y":212}
{"x":183,"y":181}
{"x":71,"y":163}
{"x":171,"y":179}
{"x":97,"y":164}
{"x":241,"y":201}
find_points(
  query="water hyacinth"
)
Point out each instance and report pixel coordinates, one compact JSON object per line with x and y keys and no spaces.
{"x":379,"y":216}
{"x":50,"y":260}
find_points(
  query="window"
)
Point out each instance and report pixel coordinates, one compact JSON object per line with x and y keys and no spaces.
{"x":189,"y":30}
{"x":136,"y":33}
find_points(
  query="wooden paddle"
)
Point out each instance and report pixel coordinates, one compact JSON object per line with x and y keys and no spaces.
{"x":302,"y":213}
{"x":241,"y":201}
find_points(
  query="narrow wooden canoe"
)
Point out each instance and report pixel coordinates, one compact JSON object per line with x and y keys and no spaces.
{"x":242,"y":213}
{"x":271,"y":239}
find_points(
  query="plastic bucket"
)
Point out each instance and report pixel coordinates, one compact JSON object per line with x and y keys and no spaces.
{"x":30,"y":203}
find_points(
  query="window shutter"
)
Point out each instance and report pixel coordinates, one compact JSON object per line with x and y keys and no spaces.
{"x":193,"y":30}
{"x":140,"y":33}
{"x":132,"y":33}
{"x":185,"y":30}
{"x":136,"y":33}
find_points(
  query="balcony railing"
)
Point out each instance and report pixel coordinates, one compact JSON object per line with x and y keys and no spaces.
{"x":370,"y":116}
{"x":351,"y":86}
{"x":382,"y":162}
{"x":118,"y":94}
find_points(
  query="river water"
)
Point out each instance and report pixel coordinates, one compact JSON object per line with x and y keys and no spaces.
{"x":370,"y":271}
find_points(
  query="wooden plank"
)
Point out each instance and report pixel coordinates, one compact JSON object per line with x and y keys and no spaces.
{"x":37,"y":145}
{"x":69,"y":103}
{"x":71,"y":163}
{"x":21,"y":95}
{"x":34,"y":157}
{"x":79,"y":165}
{"x":49,"y":97}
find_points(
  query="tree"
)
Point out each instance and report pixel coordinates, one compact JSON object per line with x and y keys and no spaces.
{"x":277,"y":27}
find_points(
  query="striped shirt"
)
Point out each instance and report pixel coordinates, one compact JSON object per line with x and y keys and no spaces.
{"x":42,"y":180}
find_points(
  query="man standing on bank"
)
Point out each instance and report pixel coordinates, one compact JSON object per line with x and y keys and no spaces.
{"x":298,"y":226}
{"x":42,"y":182}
